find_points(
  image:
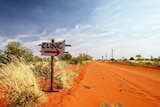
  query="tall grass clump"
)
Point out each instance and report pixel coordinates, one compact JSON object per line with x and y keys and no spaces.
{"x":64,"y":75}
{"x":20,"y":85}
{"x":42,"y":70}
{"x":118,"y":104}
{"x":64,"y":79}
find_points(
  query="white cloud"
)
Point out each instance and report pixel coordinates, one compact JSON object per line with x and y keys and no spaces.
{"x":59,"y":30}
{"x":80,"y":27}
{"x":21,"y":36}
{"x":77,"y":26}
{"x":101,"y":8}
{"x":151,"y":3}
{"x":2,"y":38}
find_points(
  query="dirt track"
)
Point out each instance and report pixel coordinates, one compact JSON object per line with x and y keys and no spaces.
{"x":111,"y":83}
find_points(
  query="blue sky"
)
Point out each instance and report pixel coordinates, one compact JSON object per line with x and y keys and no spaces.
{"x":129,"y":27}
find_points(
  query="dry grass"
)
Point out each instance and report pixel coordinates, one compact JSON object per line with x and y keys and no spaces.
{"x":142,"y":63}
{"x":63,"y":75}
{"x":41,"y":70}
{"x":117,"y":104}
{"x":64,"y":79}
{"x":20,"y":85}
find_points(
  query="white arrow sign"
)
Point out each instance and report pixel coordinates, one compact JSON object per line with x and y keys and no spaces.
{"x":53,"y":49}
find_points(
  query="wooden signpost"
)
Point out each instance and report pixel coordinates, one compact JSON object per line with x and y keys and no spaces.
{"x":52,"y":70}
{"x":53,"y":49}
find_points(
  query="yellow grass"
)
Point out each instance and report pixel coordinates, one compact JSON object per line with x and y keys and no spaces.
{"x":63,"y":75}
{"x":20,"y":85}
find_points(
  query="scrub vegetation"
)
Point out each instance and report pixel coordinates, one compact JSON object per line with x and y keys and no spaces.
{"x":21,"y":74}
{"x":20,"y":86}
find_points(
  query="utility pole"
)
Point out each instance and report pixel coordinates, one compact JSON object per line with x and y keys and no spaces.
{"x":102,"y":57}
{"x":106,"y":56}
{"x":86,"y":52}
{"x":112,"y":54}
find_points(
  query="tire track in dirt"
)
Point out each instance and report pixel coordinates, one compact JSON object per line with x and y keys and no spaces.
{"x":137,"y":88}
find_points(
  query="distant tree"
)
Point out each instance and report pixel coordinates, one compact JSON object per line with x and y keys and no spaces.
{"x":84,"y":57}
{"x":156,"y":59}
{"x":112,"y":59}
{"x":124,"y":59}
{"x":12,"y":48}
{"x":15,"y":48}
{"x":151,"y":57}
{"x":75,"y":61}
{"x":66,"y":57}
{"x":138,"y":57}
{"x":131,"y":58}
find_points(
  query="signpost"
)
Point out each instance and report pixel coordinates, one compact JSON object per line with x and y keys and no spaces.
{"x":53,"y":49}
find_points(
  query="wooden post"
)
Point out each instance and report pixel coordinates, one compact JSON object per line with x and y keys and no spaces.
{"x":52,"y":70}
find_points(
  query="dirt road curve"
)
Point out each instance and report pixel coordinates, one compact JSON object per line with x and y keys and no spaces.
{"x":112,"y":83}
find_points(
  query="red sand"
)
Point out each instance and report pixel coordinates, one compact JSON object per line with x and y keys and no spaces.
{"x":111,"y":83}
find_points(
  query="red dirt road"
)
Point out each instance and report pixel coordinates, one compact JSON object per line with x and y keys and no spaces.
{"x":110,"y":83}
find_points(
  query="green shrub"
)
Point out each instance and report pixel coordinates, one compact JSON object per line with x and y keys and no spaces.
{"x":42,"y":69}
{"x":75,"y":61}
{"x":15,"y":48}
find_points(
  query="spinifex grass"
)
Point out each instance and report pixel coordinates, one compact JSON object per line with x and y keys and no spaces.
{"x":21,"y":88}
{"x":42,"y":70}
{"x":64,"y":75}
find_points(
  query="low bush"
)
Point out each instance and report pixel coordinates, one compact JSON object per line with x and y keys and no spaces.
{"x":75,"y":61}
{"x":64,"y":79}
{"x":63,"y":75}
{"x":105,"y":105}
{"x":42,"y":70}
{"x":118,"y":104}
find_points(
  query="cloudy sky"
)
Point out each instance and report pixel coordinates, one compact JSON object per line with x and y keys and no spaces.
{"x":129,"y":27}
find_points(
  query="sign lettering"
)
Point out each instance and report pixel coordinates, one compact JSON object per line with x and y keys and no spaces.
{"x":52,"y":45}
{"x":53,"y":49}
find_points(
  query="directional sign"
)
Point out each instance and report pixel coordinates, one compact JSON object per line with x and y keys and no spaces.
{"x":53,"y":49}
